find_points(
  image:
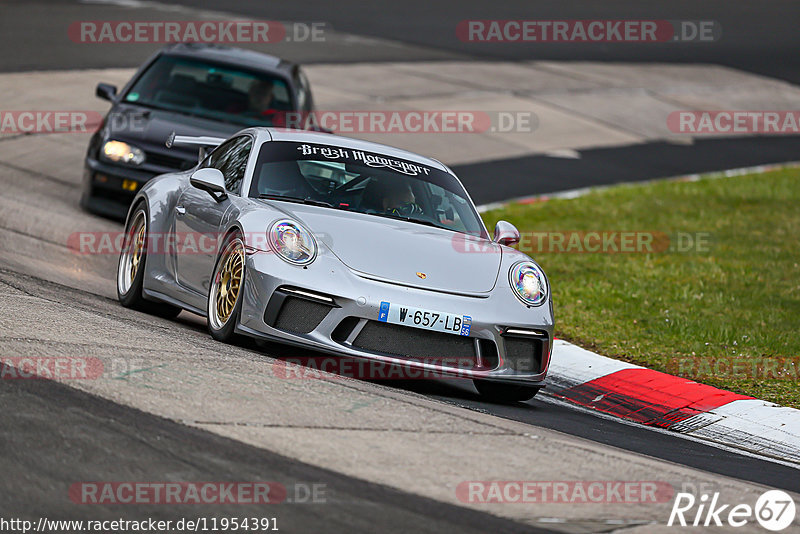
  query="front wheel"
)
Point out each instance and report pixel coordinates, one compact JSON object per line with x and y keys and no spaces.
{"x":225,"y":294}
{"x":505,"y":393}
{"x":131,"y":269}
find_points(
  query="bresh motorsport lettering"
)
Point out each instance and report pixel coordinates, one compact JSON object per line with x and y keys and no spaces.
{"x":370,"y":160}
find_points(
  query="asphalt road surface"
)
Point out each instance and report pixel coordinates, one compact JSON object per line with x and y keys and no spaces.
{"x":759,"y":37}
{"x":99,"y":440}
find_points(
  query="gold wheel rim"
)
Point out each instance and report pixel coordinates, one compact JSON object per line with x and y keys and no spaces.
{"x":136,"y":253}
{"x":131,"y":259}
{"x":228,"y":282}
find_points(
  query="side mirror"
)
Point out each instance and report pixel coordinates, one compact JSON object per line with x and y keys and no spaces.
{"x":506,"y":233}
{"x":210,"y":180}
{"x":106,"y":91}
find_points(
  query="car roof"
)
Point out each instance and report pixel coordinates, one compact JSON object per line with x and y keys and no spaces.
{"x":305,"y":136}
{"x":239,"y":57}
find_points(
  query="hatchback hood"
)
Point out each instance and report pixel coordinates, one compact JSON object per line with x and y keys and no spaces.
{"x":150,"y":128}
{"x":401,"y":252}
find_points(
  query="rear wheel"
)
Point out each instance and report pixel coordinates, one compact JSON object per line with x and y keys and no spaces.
{"x":225,"y":294}
{"x":131,"y":269}
{"x":505,"y":393}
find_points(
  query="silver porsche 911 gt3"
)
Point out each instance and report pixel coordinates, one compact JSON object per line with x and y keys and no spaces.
{"x":341,"y":246}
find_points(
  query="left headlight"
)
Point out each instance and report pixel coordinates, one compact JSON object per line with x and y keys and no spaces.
{"x":292,"y":242}
{"x":120,"y":152}
{"x":528,"y":283}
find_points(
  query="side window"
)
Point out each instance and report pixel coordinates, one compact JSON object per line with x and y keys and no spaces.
{"x":231,"y":158}
{"x":303,"y":91}
{"x":217,"y":155}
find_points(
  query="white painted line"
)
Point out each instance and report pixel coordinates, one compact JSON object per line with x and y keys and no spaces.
{"x":575,"y":193}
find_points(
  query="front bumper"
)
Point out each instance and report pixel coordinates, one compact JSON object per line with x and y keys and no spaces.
{"x":109,"y":189}
{"x":507,"y":342}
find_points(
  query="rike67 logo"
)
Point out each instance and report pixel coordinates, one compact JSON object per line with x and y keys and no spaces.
{"x":774,"y":510}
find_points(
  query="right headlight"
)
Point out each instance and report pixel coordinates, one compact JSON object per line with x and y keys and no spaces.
{"x":528,"y":283}
{"x":120,"y":152}
{"x":292,"y":242}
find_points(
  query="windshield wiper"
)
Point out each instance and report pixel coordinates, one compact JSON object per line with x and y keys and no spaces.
{"x":148,"y":105}
{"x":299,"y":200}
{"x":409,"y":219}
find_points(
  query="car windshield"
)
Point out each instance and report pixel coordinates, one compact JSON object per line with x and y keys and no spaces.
{"x":364,"y":182}
{"x":212,"y":91}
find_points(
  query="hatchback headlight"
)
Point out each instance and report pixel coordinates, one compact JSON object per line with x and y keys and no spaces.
{"x":120,"y":152}
{"x":292,"y":242}
{"x":528,"y":283}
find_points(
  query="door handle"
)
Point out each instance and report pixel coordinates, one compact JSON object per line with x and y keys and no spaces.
{"x":180,"y":209}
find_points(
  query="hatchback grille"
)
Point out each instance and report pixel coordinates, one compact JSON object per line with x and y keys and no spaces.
{"x":170,"y":162}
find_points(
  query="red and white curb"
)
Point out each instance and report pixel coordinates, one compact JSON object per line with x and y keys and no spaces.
{"x":672,"y":403}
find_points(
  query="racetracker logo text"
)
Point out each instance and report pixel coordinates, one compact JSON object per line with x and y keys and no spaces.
{"x":193,"y":31}
{"x":195,"y":493}
{"x":734,"y":121}
{"x":563,"y":491}
{"x":54,"y":368}
{"x":587,"y":31}
{"x":593,"y":242}
{"x":323,"y":368}
{"x":413,"y":121}
{"x":51,"y":121}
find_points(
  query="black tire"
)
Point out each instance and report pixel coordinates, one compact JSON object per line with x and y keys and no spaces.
{"x":129,"y":289}
{"x":222,"y":328}
{"x":505,"y":393}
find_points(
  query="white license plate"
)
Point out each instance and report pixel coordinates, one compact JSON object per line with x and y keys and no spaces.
{"x":426,"y":319}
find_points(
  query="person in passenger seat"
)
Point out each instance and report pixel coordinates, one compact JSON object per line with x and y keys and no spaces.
{"x":396,"y":198}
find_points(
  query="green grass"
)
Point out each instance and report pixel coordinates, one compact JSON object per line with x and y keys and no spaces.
{"x":690,"y":313}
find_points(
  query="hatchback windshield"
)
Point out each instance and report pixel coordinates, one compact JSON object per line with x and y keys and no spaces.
{"x":212,"y":91}
{"x":364,"y":182}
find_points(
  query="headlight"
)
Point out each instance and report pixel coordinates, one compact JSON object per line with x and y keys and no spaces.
{"x":120,"y":152}
{"x":292,"y":242}
{"x":528,"y":283}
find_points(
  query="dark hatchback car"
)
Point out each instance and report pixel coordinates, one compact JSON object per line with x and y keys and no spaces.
{"x":190,"y":89}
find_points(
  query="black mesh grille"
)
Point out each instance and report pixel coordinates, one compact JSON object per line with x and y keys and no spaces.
{"x":414,"y":343}
{"x":171,"y":162}
{"x":523,"y":354}
{"x":300,"y":316}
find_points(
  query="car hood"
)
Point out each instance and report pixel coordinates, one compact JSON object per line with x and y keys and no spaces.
{"x":402,"y":252}
{"x":150,"y":128}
